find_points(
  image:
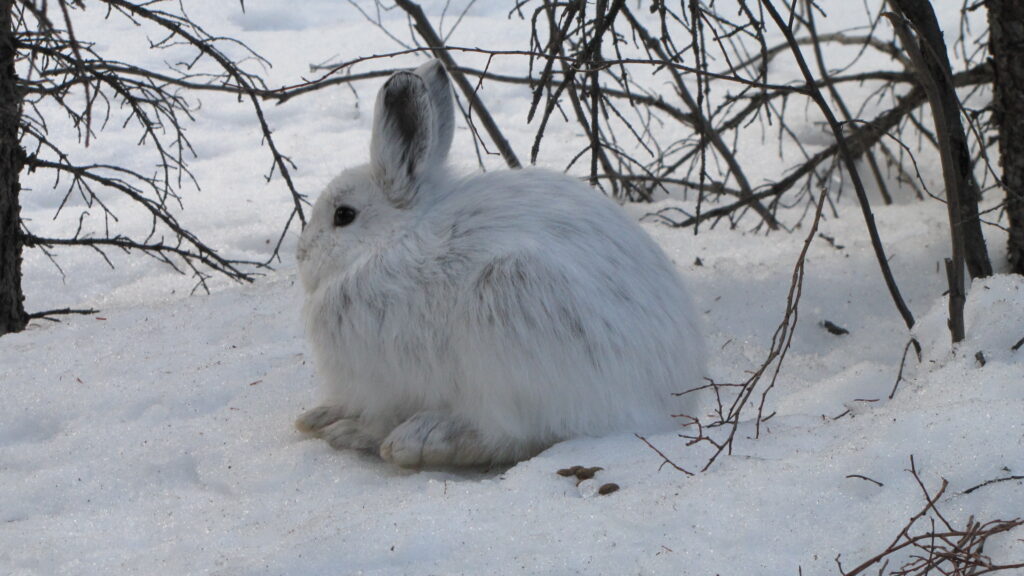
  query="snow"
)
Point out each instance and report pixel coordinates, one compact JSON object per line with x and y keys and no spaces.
{"x":155,"y":436}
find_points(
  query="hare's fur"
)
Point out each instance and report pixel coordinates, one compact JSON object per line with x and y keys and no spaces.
{"x":476,"y":320}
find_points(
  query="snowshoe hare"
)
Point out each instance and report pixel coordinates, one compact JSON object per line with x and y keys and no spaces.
{"x":464,"y":321}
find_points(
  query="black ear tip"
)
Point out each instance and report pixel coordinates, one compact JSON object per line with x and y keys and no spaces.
{"x":402,"y":89}
{"x":401,"y":84}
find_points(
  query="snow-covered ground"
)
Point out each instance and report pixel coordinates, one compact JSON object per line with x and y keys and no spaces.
{"x":155,"y":437}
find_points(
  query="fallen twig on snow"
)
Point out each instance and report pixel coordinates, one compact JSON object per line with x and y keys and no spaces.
{"x":941,"y":548}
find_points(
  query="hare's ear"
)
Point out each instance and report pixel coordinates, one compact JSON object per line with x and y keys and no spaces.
{"x":439,"y":89}
{"x":403,"y":136}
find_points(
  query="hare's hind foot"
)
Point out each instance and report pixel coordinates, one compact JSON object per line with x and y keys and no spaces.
{"x":312,"y":422}
{"x":437,"y":439}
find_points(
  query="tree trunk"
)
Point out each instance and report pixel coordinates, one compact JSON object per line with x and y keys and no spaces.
{"x":12,"y":309}
{"x":1006,"y":44}
{"x":957,"y":169}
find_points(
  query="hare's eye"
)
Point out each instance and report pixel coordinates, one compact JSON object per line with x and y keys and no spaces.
{"x":344,"y":215}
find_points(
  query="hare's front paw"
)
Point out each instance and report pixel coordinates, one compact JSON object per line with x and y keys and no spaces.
{"x":431,"y":439}
{"x":314,"y":421}
{"x":351,"y":434}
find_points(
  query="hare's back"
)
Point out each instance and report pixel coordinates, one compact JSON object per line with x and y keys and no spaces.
{"x":562,"y":224}
{"x":565,"y":298}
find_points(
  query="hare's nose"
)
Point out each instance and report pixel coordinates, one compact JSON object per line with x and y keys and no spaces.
{"x":304,"y":245}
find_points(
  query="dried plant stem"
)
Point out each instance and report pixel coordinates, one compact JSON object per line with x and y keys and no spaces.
{"x":848,"y":160}
{"x":952,"y":142}
{"x":704,"y":127}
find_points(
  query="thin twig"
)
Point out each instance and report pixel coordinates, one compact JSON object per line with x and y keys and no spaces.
{"x":847,"y":157}
{"x":476,"y":105}
{"x":48,"y":314}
